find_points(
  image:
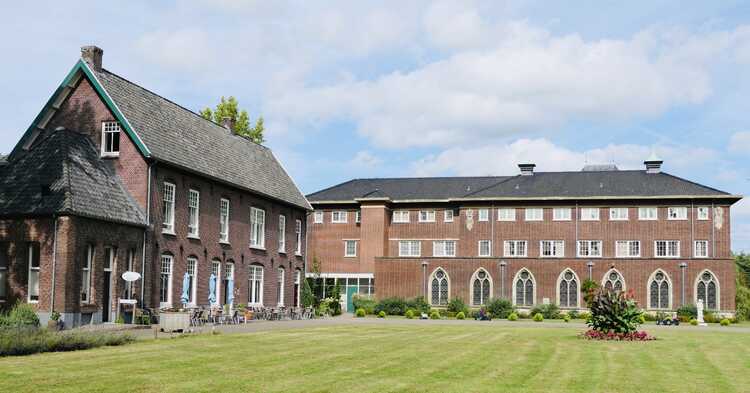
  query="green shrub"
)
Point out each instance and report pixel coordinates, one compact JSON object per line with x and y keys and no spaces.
{"x":585,"y":315}
{"x":500,"y":308}
{"x":381,"y":314}
{"x":641,"y":319}
{"x":460,"y":315}
{"x":21,"y":315}
{"x":365,"y":303}
{"x":688,"y":311}
{"x":650,"y":317}
{"x":613,"y":311}
{"x":548,"y":311}
{"x":513,"y":316}
{"x":725,"y":322}
{"x":742,"y":299}
{"x":409,"y":314}
{"x":523,"y":315}
{"x":709,"y":317}
{"x":434,"y":314}
{"x":573,"y":314}
{"x":457,"y":305}
{"x":566,"y":318}
{"x":418,"y":304}
{"x":538,"y":317}
{"x":694,"y":322}
{"x":449,"y":314}
{"x":391,"y":306}
{"x":25,"y":341}
{"x":360,"y":313}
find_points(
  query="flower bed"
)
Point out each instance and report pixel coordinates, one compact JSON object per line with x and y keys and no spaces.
{"x":592,"y":334}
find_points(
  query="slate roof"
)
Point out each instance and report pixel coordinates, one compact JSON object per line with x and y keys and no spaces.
{"x":541,"y":185}
{"x":62,"y":173}
{"x":180,"y":137}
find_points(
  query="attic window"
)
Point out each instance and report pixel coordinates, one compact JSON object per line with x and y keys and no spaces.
{"x":110,"y":139}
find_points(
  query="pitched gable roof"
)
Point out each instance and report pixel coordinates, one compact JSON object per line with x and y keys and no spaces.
{"x":420,"y":188}
{"x":62,"y":173}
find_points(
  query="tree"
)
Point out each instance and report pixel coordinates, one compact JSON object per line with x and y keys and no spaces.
{"x":229,"y":107}
{"x":308,"y":299}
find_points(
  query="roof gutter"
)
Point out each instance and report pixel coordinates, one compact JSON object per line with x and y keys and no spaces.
{"x":733,"y":198}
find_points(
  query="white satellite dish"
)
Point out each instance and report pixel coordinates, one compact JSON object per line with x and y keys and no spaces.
{"x":131,"y":276}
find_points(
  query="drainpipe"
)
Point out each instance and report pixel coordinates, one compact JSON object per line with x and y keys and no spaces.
{"x":145,"y":231}
{"x":424,"y":279}
{"x":54,"y":266}
{"x":683,"y":265}
{"x":502,"y":278}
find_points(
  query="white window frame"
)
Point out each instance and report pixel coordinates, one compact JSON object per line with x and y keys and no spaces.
{"x":168,"y":198}
{"x":673,"y":213}
{"x":224,"y":220}
{"x":440,"y":248}
{"x":587,"y":216}
{"x":282,"y":234}
{"x":512,"y":245}
{"x":667,"y":244}
{"x":280,"y":282}
{"x":705,"y":248}
{"x":561,"y":214}
{"x":618,"y":213}
{"x":257,"y":228}
{"x":36,"y":270}
{"x":216,"y":271}
{"x":629,"y":248}
{"x":533,"y":217}
{"x":254,"y":273}
{"x":4,"y":265}
{"x":358,"y":216}
{"x":483,"y":215}
{"x":489,"y":248}
{"x":506,"y":214}
{"x":702,"y":213}
{"x":339,"y":217}
{"x":170,"y":259}
{"x":413,"y":248}
{"x":86,"y":275}
{"x":644,"y":213}
{"x":448,"y":215}
{"x":589,"y":247}
{"x":400,"y":216}
{"x":348,"y":254}
{"x":557,"y":248}
{"x":111,"y":128}
{"x":318,"y":217}
{"x":426,"y":216}
{"x":298,"y":232}
{"x":193,"y":279}
{"x":194,"y":206}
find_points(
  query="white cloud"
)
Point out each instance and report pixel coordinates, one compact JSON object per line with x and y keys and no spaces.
{"x":739,"y":142}
{"x":184,"y":49}
{"x":366,"y":159}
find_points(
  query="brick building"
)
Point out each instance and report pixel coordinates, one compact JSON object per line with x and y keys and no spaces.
{"x":532,"y":238}
{"x":111,"y":177}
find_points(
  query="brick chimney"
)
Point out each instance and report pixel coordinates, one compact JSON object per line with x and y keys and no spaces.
{"x":228,"y":123}
{"x":92,"y":55}
{"x":653,"y":163}
{"x":526,"y":169}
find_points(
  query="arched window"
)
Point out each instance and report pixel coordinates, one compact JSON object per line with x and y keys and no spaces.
{"x":525,"y":288}
{"x":567,"y":289}
{"x":439,"y":288}
{"x":613,"y":280}
{"x":659,"y":291}
{"x":707,"y":289}
{"x":481,"y":287}
{"x":255,"y":285}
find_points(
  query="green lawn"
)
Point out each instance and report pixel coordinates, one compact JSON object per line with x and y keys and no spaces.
{"x":387,"y":357}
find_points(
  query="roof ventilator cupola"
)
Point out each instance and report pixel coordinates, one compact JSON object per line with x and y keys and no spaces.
{"x":526,"y":169}
{"x":653,"y":163}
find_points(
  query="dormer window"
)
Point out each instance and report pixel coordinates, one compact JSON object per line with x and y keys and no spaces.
{"x":110,"y":139}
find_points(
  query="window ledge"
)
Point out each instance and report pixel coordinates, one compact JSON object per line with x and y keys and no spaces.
{"x":298,"y":254}
{"x":110,"y":155}
{"x":196,"y":237}
{"x":258,"y":248}
{"x":282,"y":252}
{"x":166,"y":232}
{"x":224,"y":242}
{"x":350,"y":256}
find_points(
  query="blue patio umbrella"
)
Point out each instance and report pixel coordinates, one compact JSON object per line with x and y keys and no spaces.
{"x":212,"y":289}
{"x":230,"y":291}
{"x":185,"y":298}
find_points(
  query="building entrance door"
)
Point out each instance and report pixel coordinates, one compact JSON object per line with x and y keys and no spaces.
{"x":350,"y":292}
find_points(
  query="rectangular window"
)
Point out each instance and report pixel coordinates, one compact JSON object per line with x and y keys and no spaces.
{"x":4,"y":265}
{"x":551,"y":248}
{"x":448,"y":216}
{"x":86,"y":275}
{"x":618,"y":213}
{"x":257,"y":228}
{"x":702,"y":212}
{"x":506,"y":214}
{"x":129,"y":287}
{"x":700,"y":250}
{"x":298,"y":231}
{"x":589,"y":248}
{"x":318,"y":217}
{"x":677,"y":213}
{"x":409,"y":248}
{"x":168,"y":208}
{"x":34,"y":268}
{"x":515,"y":248}
{"x":561,"y":214}
{"x":484,"y":214}
{"x":350,"y":248}
{"x":589,"y":214}
{"x":648,"y":213}
{"x":224,"y":220}
{"x":192,"y":268}
{"x":627,"y":249}
{"x":280,"y":286}
{"x":282,"y":234}
{"x":534,"y":214}
{"x":110,"y":139}
{"x":444,"y":248}
{"x":194,"y":202}
{"x":216,"y":272}
{"x":339,"y":217}
{"x":667,"y":249}
{"x":400,"y":216}
{"x":426,"y":216}
{"x":485,"y":248}
{"x":358,"y":216}
{"x":255,"y":285}
{"x":165,"y":281}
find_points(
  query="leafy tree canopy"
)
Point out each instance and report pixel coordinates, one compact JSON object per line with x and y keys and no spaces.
{"x":229,"y":107}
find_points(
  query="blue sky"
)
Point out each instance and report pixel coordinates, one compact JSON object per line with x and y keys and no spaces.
{"x":352,"y":89}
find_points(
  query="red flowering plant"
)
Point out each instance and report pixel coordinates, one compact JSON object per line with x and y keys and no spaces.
{"x":614,"y":316}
